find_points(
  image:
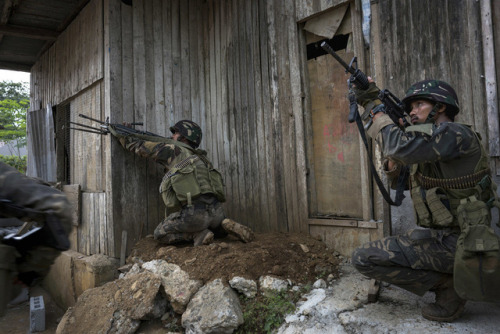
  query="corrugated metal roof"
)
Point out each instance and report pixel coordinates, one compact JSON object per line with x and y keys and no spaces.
{"x":29,"y":27}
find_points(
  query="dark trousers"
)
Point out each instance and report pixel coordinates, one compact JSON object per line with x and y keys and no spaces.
{"x":415,"y":261}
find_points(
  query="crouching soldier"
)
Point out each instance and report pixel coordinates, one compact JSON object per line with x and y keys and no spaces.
{"x":26,"y":256}
{"x":192,"y":189}
{"x":449,"y":168}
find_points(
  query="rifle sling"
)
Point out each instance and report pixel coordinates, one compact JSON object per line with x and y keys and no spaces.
{"x":402,"y":176}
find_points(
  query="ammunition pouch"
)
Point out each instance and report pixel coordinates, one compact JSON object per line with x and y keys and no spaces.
{"x":432,"y":207}
{"x":477,"y":258}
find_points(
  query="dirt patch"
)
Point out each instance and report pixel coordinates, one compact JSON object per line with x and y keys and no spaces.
{"x":297,"y":257}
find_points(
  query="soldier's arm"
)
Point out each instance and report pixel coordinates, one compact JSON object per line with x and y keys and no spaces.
{"x":161,"y":152}
{"x":418,"y":144}
{"x":25,"y":192}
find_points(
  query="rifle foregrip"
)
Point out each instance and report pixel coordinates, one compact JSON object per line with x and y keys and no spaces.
{"x":360,"y":80}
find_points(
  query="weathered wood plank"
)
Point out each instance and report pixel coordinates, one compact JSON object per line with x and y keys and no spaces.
{"x":262,"y":200}
{"x":73,"y":192}
{"x":251,"y":125}
{"x":288,"y":143}
{"x":210,"y":117}
{"x":230,"y":175}
{"x":274,"y":120}
{"x":266,"y":146}
{"x":140,"y":176}
{"x":310,"y":8}
{"x":239,"y":111}
{"x":167,"y":66}
{"x":490,"y":17}
{"x":185,"y":60}
{"x":114,"y":65}
{"x":224,"y":145}
{"x":476,"y":76}
{"x":151,"y":116}
{"x":101,"y":223}
{"x":194,"y":13}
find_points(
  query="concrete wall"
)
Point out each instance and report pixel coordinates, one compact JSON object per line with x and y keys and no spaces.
{"x":73,"y":273}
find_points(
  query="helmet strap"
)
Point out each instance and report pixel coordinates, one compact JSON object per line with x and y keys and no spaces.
{"x":433,"y":112}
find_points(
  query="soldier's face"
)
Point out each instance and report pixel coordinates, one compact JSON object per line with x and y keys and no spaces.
{"x":419,"y":110}
{"x":176,"y":136}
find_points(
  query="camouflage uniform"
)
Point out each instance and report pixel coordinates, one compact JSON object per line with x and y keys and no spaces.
{"x":28,"y":265}
{"x":191,"y":188}
{"x":419,"y":259}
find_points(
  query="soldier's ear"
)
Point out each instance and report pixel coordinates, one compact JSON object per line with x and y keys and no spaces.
{"x":440,"y":107}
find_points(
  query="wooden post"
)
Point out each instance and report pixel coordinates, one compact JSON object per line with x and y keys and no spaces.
{"x":490,"y":79}
{"x":123,"y":248}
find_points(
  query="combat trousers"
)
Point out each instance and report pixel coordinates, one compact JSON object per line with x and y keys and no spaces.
{"x":184,"y":225}
{"x":415,"y":261}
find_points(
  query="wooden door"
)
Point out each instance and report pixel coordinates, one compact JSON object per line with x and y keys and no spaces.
{"x":336,"y":176}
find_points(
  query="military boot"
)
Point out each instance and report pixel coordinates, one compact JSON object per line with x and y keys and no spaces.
{"x":204,"y":237}
{"x":241,"y":231}
{"x":448,"y":305}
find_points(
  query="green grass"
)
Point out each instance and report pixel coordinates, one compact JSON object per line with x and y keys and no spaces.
{"x":266,"y":313}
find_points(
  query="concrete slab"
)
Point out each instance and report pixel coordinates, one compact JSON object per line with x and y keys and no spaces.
{"x":344,"y":308}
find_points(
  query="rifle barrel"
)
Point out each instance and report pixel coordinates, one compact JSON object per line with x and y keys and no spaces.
{"x":329,"y":49}
{"x":96,"y":131}
{"x":92,"y":119}
{"x":85,"y":126}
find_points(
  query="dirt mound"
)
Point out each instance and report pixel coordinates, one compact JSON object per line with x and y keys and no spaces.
{"x":297,"y":257}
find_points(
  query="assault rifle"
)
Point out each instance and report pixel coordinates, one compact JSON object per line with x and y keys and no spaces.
{"x":393,"y":107}
{"x":103,"y":129}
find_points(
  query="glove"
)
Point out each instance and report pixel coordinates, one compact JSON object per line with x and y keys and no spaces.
{"x":367,"y":98}
{"x":121,"y":138}
{"x":112,"y":130}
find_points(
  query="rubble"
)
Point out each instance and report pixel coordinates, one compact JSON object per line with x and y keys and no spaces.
{"x":214,"y":309}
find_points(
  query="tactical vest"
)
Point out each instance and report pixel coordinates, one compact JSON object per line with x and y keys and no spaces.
{"x":192,"y":175}
{"x":436,"y":198}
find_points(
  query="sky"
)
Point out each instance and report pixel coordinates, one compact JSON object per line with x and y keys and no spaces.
{"x":14,"y":76}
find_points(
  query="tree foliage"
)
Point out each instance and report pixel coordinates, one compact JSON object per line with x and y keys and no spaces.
{"x":13,"y":91}
{"x":19,"y":163}
{"x":14,"y":101}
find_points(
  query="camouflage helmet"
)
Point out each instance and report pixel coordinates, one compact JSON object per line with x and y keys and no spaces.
{"x":189,"y":130}
{"x":433,"y":90}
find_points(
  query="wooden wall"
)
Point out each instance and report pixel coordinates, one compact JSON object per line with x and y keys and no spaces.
{"x":71,"y":73}
{"x":234,"y":67}
{"x":305,"y":9}
{"x":414,"y":40}
{"x":73,"y":62}
{"x":237,"y":68}
{"x":424,"y":39}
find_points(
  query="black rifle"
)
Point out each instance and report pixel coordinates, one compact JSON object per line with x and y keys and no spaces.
{"x":393,"y":107}
{"x":104,"y":128}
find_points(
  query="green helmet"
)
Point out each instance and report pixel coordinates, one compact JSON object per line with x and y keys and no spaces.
{"x":433,"y":90}
{"x":189,"y":130}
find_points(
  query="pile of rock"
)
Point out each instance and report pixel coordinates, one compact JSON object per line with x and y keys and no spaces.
{"x":158,"y":289}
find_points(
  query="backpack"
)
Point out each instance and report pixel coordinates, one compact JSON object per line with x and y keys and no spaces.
{"x":476,"y":272}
